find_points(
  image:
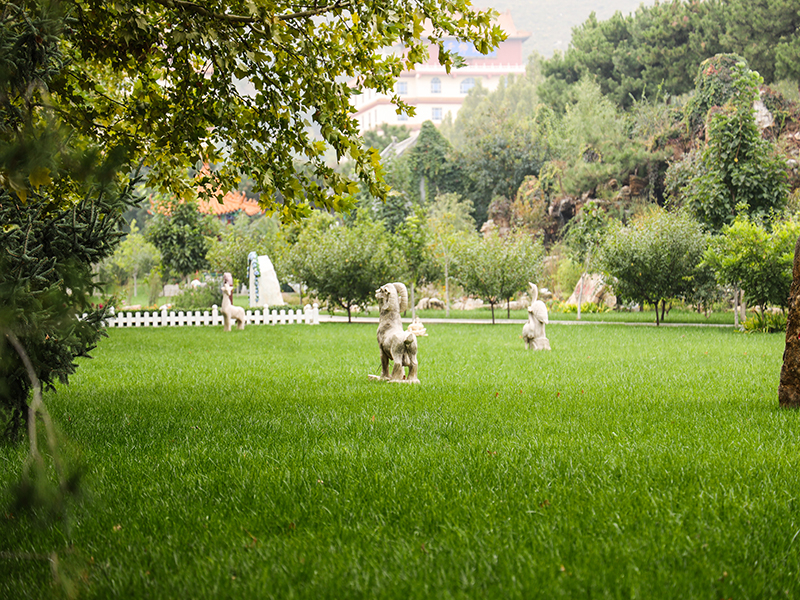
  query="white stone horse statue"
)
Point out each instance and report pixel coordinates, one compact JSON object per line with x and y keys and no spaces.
{"x":228,"y":310}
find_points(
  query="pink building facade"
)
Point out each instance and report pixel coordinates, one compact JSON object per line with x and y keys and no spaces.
{"x":435,"y":93}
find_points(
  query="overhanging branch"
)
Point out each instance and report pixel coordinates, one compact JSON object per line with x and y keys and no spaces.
{"x":247,"y":20}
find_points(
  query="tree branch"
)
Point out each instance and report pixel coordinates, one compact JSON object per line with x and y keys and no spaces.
{"x":245,"y":20}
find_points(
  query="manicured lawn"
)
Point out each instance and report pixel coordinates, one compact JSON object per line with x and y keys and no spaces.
{"x":628,"y":462}
{"x":675,"y":316}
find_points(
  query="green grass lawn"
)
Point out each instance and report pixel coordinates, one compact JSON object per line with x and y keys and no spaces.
{"x":628,"y":462}
{"x":675,"y":316}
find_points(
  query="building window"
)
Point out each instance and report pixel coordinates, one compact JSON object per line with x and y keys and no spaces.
{"x":402,"y":87}
{"x":436,"y":114}
{"x":467,"y":85}
{"x":436,"y":86}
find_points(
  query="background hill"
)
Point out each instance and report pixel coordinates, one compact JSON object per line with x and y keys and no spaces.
{"x":550,"y":22}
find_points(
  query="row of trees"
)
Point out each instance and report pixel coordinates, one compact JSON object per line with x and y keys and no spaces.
{"x":662,"y":256}
{"x":341,"y":261}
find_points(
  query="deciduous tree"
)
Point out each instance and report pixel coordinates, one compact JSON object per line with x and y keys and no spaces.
{"x":179,"y":231}
{"x":748,"y":256}
{"x":345,"y":265}
{"x":654,"y":258}
{"x":495,"y":268}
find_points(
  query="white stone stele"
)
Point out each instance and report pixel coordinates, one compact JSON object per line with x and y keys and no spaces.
{"x":269,"y":289}
{"x":398,"y":347}
{"x":533,"y":332}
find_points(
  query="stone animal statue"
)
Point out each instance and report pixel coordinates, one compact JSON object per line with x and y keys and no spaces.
{"x":533,"y":331}
{"x":398,"y":347}
{"x":228,"y":310}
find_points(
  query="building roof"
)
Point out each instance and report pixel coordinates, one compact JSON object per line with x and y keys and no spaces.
{"x":230,"y":203}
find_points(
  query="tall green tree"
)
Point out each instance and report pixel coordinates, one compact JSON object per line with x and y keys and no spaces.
{"x":432,"y":168}
{"x":654,"y":258}
{"x":412,"y":242}
{"x":737,"y":169}
{"x":180,"y":231}
{"x":54,"y":227}
{"x":748,"y":256}
{"x":450,"y":223}
{"x":495,"y":268}
{"x":134,"y":258}
{"x":501,"y":140}
{"x":766,"y":34}
{"x":345,"y":265}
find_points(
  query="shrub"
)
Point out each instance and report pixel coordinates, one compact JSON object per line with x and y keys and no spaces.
{"x":765,"y":323}
{"x":200,"y":298}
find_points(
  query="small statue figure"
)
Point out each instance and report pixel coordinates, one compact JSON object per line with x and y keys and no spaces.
{"x":417,"y":328}
{"x":228,"y":310}
{"x":397,"y":346}
{"x":533,"y":331}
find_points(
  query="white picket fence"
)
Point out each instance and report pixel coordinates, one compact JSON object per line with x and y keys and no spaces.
{"x":166,"y":318}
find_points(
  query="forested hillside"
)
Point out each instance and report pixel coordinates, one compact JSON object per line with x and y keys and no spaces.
{"x":550,"y":22}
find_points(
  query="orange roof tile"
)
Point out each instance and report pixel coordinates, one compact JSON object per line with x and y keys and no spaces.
{"x":231,"y":202}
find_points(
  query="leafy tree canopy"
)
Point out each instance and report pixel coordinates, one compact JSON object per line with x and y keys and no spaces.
{"x":180,"y":231}
{"x":747,"y":255}
{"x":495,"y":268}
{"x":173,"y":84}
{"x":737,"y":170}
{"x":655,"y":257}
{"x":345,"y":265}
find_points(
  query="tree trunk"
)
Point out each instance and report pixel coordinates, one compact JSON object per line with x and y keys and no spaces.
{"x":349,"y":320}
{"x":492,"y":305}
{"x":663,"y":308}
{"x":135,"y":291}
{"x":789,"y":388}
{"x":508,"y":308}
{"x":736,"y":308}
{"x":742,"y":307}
{"x":580,"y":296}
{"x":658,"y":323}
{"x":446,"y":289}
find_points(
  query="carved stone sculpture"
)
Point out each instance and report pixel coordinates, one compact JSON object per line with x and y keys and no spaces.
{"x":789,"y":388}
{"x":417,"y":328}
{"x":533,"y":332}
{"x":398,"y":347}
{"x":228,"y":310}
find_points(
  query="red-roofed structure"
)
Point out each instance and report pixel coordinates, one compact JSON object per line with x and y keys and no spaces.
{"x":229,"y":206}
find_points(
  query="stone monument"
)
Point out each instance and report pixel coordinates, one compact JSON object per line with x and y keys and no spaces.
{"x":264,"y":287}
